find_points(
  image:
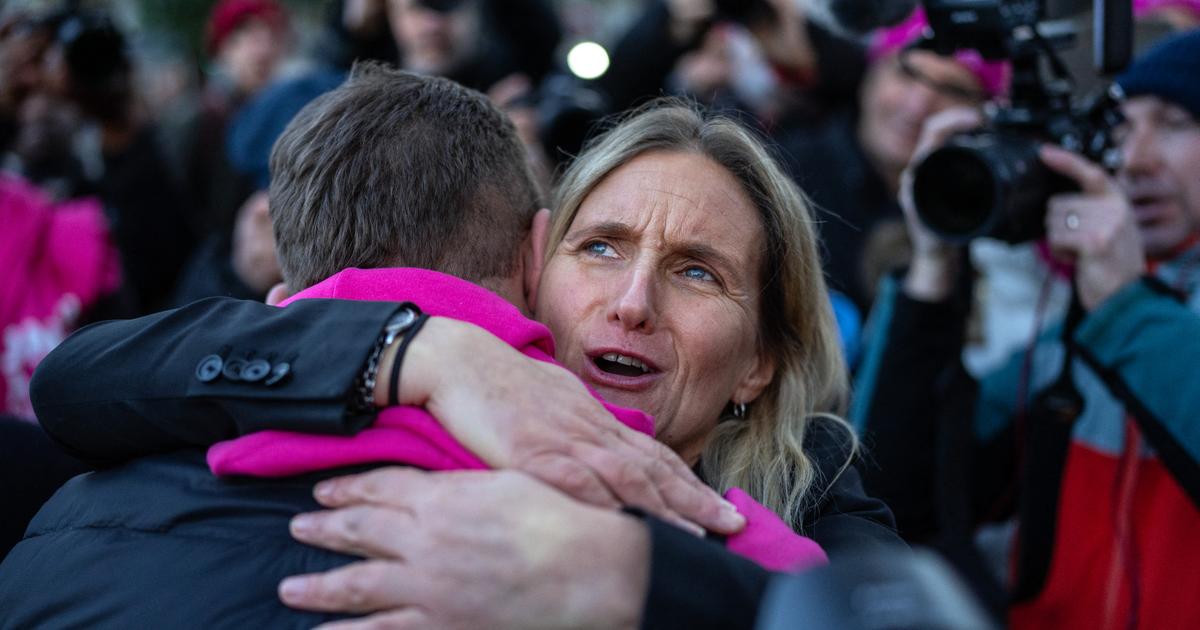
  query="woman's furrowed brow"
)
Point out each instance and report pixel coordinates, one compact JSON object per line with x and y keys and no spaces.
{"x":708,"y":253}
{"x":623,"y":231}
{"x":611,"y":229}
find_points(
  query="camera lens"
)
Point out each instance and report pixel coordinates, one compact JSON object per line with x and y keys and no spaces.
{"x":955,"y":193}
{"x":985,"y":183}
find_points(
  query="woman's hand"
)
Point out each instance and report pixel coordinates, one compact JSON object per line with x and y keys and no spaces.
{"x":489,"y":549}
{"x":519,"y":413}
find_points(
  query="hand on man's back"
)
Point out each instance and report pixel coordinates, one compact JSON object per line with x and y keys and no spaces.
{"x":528,"y":556}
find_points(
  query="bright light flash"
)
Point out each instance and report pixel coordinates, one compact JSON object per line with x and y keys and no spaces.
{"x":587,"y":60}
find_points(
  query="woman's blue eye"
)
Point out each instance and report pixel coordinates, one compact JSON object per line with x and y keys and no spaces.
{"x":598,"y":248}
{"x":698,"y":273}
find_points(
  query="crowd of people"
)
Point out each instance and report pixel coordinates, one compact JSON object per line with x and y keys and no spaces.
{"x":415,"y":328}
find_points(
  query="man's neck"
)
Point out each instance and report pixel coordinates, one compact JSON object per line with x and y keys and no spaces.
{"x":511,"y":289}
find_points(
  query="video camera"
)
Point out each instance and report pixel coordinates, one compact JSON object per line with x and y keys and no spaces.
{"x":745,"y":11}
{"x":990,"y":182}
{"x":567,"y":110}
{"x":96,"y":60}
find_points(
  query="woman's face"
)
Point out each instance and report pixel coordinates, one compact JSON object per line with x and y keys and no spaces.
{"x":653,"y":294}
{"x":900,"y":93}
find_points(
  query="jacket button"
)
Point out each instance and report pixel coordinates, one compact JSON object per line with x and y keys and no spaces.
{"x":256,"y":371}
{"x":233,"y":369}
{"x":278,"y":373}
{"x":209,"y":368}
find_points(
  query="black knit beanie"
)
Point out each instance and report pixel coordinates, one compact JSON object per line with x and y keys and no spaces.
{"x":1170,"y":70}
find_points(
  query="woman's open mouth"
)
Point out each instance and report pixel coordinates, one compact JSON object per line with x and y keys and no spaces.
{"x":621,"y":365}
{"x":623,"y":371}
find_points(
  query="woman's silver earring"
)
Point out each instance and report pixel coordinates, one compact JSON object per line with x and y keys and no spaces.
{"x":739,"y":411}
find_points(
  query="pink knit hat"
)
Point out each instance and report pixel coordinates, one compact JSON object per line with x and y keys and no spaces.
{"x":228,"y":15}
{"x":993,"y":76}
{"x":1143,"y":7}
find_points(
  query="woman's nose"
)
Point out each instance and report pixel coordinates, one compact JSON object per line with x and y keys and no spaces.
{"x":634,"y":303}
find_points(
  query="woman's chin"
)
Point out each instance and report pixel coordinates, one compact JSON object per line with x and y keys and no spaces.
{"x":642,"y":400}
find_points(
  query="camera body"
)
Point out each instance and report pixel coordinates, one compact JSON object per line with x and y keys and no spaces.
{"x":566,"y":109}
{"x":441,"y":6}
{"x":745,"y":11}
{"x":96,"y":70}
{"x":990,"y":182}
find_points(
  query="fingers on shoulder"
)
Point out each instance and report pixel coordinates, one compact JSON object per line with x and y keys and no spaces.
{"x":357,"y":588}
{"x":573,"y":476}
{"x":364,"y":530}
{"x":395,"y":486}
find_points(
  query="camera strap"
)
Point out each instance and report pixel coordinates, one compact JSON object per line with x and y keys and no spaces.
{"x":1049,"y":424}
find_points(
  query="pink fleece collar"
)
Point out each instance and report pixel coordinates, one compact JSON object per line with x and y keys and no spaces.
{"x":408,"y":435}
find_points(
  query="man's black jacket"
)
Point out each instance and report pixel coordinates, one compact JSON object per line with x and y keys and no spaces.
{"x":124,"y":389}
{"x":162,"y":543}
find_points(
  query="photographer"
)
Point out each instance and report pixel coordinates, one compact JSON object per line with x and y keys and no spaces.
{"x":1104,"y":499}
{"x":850,"y":163}
{"x":812,"y":69}
{"x":87,"y":65}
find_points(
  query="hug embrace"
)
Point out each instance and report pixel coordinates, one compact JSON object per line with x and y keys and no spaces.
{"x":677,"y":281}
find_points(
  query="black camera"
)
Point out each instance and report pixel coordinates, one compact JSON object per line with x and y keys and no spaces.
{"x":97,"y":61}
{"x":567,"y":111}
{"x":990,"y":182}
{"x":745,"y":11}
{"x":442,"y":6}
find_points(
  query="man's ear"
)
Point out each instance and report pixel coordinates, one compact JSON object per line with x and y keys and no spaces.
{"x":277,"y":294}
{"x":534,"y":251}
{"x":755,"y":380}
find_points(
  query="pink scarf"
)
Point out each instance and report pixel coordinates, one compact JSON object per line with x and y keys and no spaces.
{"x":410,"y":435}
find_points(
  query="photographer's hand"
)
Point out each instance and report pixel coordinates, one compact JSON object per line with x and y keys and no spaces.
{"x":934,"y":265}
{"x":1094,"y":227}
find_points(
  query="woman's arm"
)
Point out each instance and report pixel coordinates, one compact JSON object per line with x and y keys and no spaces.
{"x":119,"y":390}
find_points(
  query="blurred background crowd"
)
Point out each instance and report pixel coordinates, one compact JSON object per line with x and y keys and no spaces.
{"x":135,"y":137}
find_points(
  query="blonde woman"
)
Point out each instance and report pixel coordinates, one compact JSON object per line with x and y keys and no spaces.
{"x":677,"y":242}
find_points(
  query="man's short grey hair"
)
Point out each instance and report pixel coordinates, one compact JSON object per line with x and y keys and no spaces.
{"x":394,"y":169}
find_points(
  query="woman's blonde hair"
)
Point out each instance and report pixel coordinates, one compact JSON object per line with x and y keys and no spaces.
{"x":761,"y":453}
